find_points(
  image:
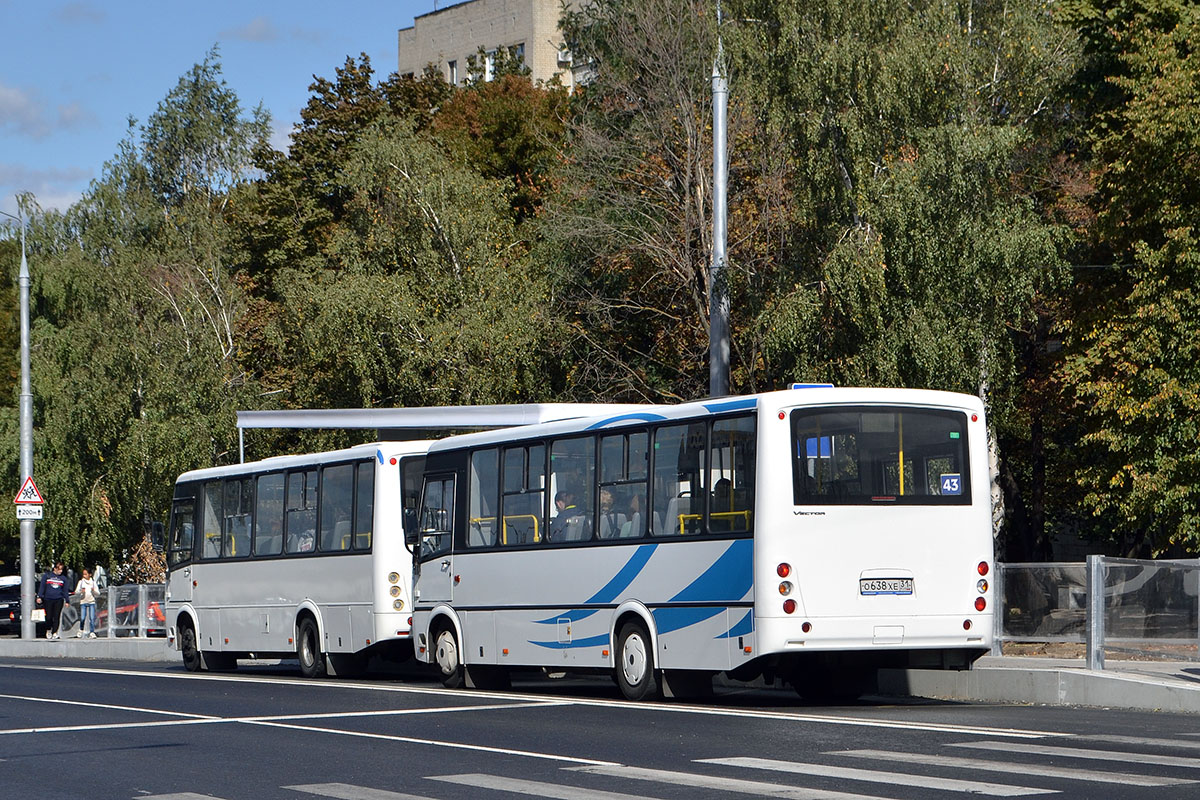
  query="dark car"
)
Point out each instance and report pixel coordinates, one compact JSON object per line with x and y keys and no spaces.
{"x":10,"y":606}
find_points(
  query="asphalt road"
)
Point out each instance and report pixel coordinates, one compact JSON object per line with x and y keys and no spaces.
{"x":111,"y":730}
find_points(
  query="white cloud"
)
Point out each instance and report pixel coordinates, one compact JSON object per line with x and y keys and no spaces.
{"x":259,"y":29}
{"x":54,"y":188}
{"x":27,"y":114}
{"x":281,"y":136}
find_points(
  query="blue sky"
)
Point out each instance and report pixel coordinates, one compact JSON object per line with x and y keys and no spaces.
{"x":72,"y":73}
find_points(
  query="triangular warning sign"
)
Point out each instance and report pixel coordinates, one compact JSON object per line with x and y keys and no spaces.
{"x":29,"y":493}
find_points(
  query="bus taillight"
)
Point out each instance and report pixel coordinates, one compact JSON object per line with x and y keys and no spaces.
{"x":980,"y":604}
{"x":982,"y":568}
{"x":789,"y":606}
{"x":783,"y":570}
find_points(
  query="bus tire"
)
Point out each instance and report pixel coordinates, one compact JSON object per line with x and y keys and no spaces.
{"x":308,"y":649}
{"x":635,"y":662}
{"x":193,"y":661}
{"x":447,"y":656}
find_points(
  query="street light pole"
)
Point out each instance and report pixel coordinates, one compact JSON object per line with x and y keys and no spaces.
{"x":718,"y":297}
{"x":28,"y":629}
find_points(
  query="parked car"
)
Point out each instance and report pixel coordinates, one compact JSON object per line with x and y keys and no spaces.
{"x":10,"y":607}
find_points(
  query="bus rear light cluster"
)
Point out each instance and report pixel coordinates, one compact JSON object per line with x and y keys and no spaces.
{"x":398,"y":604}
{"x":783,"y":570}
{"x":394,"y":591}
{"x":982,"y":569}
{"x":393,"y":577}
{"x":785,"y":588}
{"x":980,"y":604}
{"x":982,"y":586}
{"x":789,"y":606}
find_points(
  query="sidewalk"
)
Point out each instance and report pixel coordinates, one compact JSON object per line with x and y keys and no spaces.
{"x":1138,"y":685}
{"x":121,"y":648}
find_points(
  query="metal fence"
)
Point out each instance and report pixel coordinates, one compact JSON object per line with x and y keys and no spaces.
{"x":1149,"y":608}
{"x":128,"y":610}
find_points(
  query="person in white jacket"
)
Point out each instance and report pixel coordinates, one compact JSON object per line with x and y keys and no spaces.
{"x":87,"y":591}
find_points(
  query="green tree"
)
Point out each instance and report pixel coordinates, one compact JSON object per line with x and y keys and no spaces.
{"x":1132,"y":363}
{"x":136,"y":372}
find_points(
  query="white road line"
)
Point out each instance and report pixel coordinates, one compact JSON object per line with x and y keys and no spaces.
{"x":984,"y":765}
{"x":345,"y":791}
{"x":759,"y":788}
{"x":1079,"y":752}
{"x":892,"y":778}
{"x":112,"y":726}
{"x":435,"y":743}
{"x":106,"y":706}
{"x":176,"y":796}
{"x":534,"y":788}
{"x":783,"y":716}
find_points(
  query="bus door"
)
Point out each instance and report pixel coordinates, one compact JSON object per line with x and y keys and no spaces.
{"x":180,"y":548}
{"x":435,"y":577}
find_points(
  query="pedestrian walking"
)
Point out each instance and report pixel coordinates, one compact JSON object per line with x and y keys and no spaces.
{"x":52,"y":593}
{"x":87,"y":591}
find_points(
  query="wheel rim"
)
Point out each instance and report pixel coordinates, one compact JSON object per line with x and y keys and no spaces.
{"x":307,"y":646}
{"x":447,"y":653}
{"x":633,"y":659}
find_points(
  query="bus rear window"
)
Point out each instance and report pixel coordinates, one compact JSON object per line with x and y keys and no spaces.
{"x":880,"y":456}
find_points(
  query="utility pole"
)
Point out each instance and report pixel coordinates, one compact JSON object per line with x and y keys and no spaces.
{"x":28,"y":629}
{"x":718,"y":295}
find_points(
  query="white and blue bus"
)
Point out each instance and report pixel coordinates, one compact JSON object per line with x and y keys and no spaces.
{"x":808,"y":535}
{"x":294,"y":557}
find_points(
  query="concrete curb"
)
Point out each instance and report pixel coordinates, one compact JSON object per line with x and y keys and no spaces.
{"x":124,"y":649}
{"x":1049,"y":685}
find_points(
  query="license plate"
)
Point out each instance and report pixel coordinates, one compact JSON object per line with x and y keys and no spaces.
{"x":885,"y":586}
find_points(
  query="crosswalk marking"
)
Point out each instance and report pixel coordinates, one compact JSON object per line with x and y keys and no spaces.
{"x":1140,"y":740}
{"x":691,"y":779}
{"x":1079,"y":752}
{"x":879,"y":776}
{"x":1069,"y":773}
{"x":535,"y":788}
{"x":345,"y":791}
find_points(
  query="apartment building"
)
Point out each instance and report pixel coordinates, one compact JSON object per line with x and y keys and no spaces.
{"x":447,"y":36}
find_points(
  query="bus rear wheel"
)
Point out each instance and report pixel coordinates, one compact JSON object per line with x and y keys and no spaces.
{"x":449,"y":661}
{"x":308,"y":649}
{"x":635,"y":662}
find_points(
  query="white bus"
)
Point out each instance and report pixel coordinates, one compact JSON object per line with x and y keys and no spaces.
{"x":809,"y":535}
{"x":297,"y":556}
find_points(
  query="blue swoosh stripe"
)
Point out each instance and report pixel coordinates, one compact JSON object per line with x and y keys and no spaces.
{"x":591,"y":641}
{"x":732,"y":405}
{"x":744,"y":628}
{"x":609,"y":592}
{"x":644,"y":416}
{"x":673,"y":619}
{"x":727,"y":580}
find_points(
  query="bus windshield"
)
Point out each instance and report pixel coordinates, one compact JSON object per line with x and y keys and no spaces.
{"x":872,"y":455}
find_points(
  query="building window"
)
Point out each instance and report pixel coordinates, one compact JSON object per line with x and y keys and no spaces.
{"x":452,"y":68}
{"x":489,"y":65}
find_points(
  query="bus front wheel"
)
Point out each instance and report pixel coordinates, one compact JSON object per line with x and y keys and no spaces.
{"x":308,"y":650}
{"x":449,"y":662}
{"x":192,"y":661}
{"x":635,"y":662}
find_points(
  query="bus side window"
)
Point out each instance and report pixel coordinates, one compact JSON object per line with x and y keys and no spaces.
{"x":268,"y":515}
{"x":410,"y":490}
{"x":183,"y":525}
{"x":210,"y":522}
{"x":437,"y":514}
{"x":337,"y":492}
{"x":301,"y":511}
{"x":364,"y":505}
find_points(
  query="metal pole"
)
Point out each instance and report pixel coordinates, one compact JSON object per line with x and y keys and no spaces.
{"x":25,"y":400}
{"x":718,"y":301}
{"x":1095,"y":612}
{"x":998,"y":612}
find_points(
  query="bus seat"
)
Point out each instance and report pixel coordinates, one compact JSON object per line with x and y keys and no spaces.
{"x":577,"y":529}
{"x":610,"y":525}
{"x":633,"y":527}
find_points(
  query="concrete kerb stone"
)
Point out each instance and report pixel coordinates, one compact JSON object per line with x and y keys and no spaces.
{"x":119,"y":649}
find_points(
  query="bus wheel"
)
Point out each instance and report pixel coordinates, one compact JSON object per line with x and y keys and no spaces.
{"x":635,"y":662}
{"x":192,"y":661}
{"x":308,"y":650}
{"x":448,"y":660}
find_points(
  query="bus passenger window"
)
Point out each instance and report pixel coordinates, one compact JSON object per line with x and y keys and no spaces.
{"x":572,"y":481}
{"x":482,"y":498}
{"x":680,"y":478}
{"x":268,"y":515}
{"x":211,"y":521}
{"x":337,"y":492}
{"x":364,"y":505}
{"x":183,"y":525}
{"x":523,"y":514}
{"x":301,"y":513}
{"x":237,"y":511}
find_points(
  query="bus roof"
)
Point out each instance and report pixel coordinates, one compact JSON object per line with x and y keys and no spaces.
{"x":379,"y":450}
{"x":615,"y":416}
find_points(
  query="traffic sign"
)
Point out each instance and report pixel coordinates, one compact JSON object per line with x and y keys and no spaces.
{"x":29,"y":493}
{"x":29,"y":512}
